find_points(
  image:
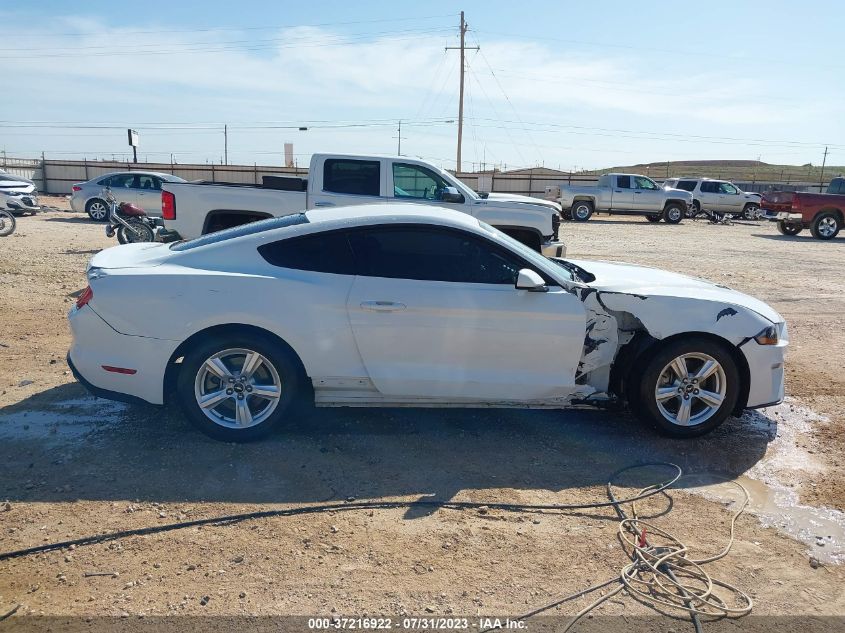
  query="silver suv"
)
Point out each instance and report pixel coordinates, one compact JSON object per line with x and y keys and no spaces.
{"x":720,"y":196}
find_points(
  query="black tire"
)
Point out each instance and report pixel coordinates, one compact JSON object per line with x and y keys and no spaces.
{"x":673,"y":213}
{"x":646,"y":374}
{"x":786,"y":228}
{"x":825,"y":226}
{"x":751,"y":211}
{"x":7,"y":223}
{"x":97,"y":210}
{"x":566,"y":214}
{"x":283,"y":361}
{"x":653,"y":218}
{"x":140,"y":232}
{"x":582,"y":210}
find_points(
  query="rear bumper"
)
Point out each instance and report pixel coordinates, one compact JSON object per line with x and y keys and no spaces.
{"x":97,"y":345}
{"x":553,"y":248}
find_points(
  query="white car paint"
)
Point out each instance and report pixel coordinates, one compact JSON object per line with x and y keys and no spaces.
{"x":378,"y":341}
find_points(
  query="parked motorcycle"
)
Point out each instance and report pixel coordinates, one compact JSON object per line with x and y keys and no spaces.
{"x":7,"y":223}
{"x":128,"y":221}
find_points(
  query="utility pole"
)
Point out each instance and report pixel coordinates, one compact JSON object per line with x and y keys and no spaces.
{"x":824,"y":161}
{"x":226,"y":143}
{"x":399,"y":137}
{"x":462,"y":48}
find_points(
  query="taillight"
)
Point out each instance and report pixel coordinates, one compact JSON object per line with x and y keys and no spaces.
{"x":85,"y":297}
{"x":796,"y":203}
{"x":76,"y":188}
{"x":168,"y":206}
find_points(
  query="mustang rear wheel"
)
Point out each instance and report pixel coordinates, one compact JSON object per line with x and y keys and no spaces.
{"x":687,"y":388}
{"x":240,"y":388}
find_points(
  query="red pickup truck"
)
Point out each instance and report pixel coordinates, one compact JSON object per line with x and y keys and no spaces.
{"x":822,"y":213}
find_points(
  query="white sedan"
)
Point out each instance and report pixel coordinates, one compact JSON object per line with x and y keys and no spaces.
{"x":396,"y":305}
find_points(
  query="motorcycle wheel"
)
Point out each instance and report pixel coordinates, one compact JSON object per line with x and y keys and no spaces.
{"x":7,"y":223}
{"x":139,"y":232}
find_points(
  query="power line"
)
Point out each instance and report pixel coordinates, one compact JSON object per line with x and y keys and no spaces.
{"x":230,"y":28}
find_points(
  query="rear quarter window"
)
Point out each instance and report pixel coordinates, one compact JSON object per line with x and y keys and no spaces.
{"x":686,"y":185}
{"x":240,"y":231}
{"x":321,"y":253}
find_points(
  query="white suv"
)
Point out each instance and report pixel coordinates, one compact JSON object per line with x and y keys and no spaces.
{"x":718,"y":195}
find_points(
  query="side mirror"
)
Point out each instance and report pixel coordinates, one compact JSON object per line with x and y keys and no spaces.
{"x":451,"y":194}
{"x":528,"y":280}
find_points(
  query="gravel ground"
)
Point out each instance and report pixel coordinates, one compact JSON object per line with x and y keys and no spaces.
{"x":73,"y":466}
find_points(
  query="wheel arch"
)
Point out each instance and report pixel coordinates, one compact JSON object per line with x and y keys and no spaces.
{"x":171,"y":372}
{"x":679,"y":201}
{"x":834,"y":210}
{"x":633,"y":357}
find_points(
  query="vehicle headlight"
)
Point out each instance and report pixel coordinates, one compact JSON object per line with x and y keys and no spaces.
{"x":769,"y":336}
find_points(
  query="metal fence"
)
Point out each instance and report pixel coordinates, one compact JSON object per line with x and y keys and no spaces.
{"x":57,"y":176}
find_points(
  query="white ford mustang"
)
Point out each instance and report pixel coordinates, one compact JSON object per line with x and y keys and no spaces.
{"x":399,"y":305}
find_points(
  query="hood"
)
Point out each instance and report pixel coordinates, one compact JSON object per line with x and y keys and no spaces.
{"x":652,"y":282}
{"x":513,"y":197}
{"x":678,"y":192}
{"x":140,"y":255}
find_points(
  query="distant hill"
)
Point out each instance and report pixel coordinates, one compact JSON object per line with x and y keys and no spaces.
{"x":739,"y":170}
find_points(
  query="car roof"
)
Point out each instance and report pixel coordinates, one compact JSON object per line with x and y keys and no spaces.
{"x":398,"y":212}
{"x":133,"y":172}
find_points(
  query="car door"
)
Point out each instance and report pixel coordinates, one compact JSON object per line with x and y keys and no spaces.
{"x":124,"y":187}
{"x":647,"y":195}
{"x":349,"y":181}
{"x":709,"y":195}
{"x":416,"y":183}
{"x":437,"y":317}
{"x":148,"y":194}
{"x":622,"y":193}
{"x":730,"y":200}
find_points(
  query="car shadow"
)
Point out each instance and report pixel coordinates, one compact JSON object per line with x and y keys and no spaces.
{"x":80,"y":219}
{"x":63,"y":445}
{"x":794,"y":238}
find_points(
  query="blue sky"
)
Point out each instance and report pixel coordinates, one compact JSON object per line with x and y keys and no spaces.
{"x":567,"y":85}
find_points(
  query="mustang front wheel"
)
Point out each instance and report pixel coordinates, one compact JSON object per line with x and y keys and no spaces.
{"x":238,"y":390}
{"x":688,"y":387}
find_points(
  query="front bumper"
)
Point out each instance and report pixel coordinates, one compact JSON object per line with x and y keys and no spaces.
{"x":766,"y":373}
{"x":553,"y":248}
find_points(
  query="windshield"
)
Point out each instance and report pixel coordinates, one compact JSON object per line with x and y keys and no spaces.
{"x":240,"y":231}
{"x":541,"y":261}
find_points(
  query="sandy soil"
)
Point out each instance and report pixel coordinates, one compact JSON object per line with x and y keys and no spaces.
{"x":73,"y":466}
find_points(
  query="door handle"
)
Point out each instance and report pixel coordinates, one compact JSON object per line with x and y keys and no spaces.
{"x":638,"y":192}
{"x":324,"y":204}
{"x":383,"y":306}
{"x":617,"y":191}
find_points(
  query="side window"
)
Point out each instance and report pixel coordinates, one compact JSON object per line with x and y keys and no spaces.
{"x":686,"y":185}
{"x":642,"y":182}
{"x":148,"y":182}
{"x":726,"y":187}
{"x":122,"y":181}
{"x":708,"y":187}
{"x":431,"y":254}
{"x":359,"y":177}
{"x":105,"y":182}
{"x":415,"y":182}
{"x":623,"y":182}
{"x":321,"y":253}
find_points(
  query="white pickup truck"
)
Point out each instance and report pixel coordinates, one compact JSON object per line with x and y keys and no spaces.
{"x":629,"y":194}
{"x":335,"y":180}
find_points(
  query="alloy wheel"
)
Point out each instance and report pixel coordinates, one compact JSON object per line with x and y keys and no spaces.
{"x":97,"y":210}
{"x":690,"y":389}
{"x":237,"y":388}
{"x":827,"y":226}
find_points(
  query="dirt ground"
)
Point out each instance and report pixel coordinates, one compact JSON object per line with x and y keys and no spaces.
{"x":73,"y":466}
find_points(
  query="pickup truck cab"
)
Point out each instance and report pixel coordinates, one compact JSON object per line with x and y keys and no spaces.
{"x":629,"y":194}
{"x":794,"y":211}
{"x":340,"y":180}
